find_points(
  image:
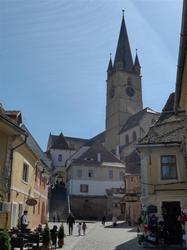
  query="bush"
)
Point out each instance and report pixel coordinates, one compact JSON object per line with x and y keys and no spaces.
{"x":46,"y":235}
{"x":4,"y":241}
{"x":61,"y":232}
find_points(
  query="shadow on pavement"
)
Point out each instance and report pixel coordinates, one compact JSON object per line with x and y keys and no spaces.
{"x":122,"y":225}
{"x":129,"y":245}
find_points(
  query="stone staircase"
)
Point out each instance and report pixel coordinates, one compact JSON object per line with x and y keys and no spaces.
{"x":58,"y":203}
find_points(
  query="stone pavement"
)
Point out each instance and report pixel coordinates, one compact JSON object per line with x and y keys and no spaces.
{"x":103,"y":238}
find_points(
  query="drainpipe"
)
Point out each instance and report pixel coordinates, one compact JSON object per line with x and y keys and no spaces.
{"x":11,"y":161}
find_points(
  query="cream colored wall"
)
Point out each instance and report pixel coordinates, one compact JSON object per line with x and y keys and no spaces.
{"x":157,"y":190}
{"x":101,"y":173}
{"x":120,"y":107}
{"x":3,"y":156}
{"x":132,"y":183}
{"x":145,"y":123}
{"x":21,"y":190}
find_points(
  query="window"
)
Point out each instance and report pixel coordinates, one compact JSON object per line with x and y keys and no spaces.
{"x":84,"y":188}
{"x":90,"y":173}
{"x":110,"y":174}
{"x":127,"y":139}
{"x":59,"y":157}
{"x":134,"y":137}
{"x":129,"y":81}
{"x":79,"y":173}
{"x":168,"y":167}
{"x":25,"y":174}
{"x":153,"y":121}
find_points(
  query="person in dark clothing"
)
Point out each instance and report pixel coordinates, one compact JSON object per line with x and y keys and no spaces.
{"x":54,"y":235}
{"x":70,"y":222}
{"x":103,"y":220}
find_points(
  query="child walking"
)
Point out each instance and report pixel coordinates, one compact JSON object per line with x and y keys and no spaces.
{"x":84,"y":228}
{"x":79,"y":228}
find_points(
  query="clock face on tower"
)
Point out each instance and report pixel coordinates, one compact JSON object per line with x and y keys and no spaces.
{"x":130,"y":91}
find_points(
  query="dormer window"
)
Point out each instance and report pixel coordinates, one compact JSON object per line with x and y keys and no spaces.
{"x":59,"y":157}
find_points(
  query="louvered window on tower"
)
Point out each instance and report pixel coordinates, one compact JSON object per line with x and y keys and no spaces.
{"x":59,"y":157}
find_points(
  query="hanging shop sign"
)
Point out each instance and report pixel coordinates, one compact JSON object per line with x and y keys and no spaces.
{"x":31,"y":202}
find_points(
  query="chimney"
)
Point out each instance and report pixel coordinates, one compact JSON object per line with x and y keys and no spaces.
{"x":99,"y":157}
{"x":117,"y":152}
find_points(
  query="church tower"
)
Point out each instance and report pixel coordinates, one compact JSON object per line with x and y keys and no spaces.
{"x":124,"y":92}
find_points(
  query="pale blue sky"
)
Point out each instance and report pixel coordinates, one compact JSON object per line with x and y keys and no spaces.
{"x":54,"y":55}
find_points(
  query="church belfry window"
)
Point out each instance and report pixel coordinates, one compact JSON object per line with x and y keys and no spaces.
{"x":59,"y":157}
{"x":134,"y":137}
{"x":129,"y":81}
{"x":126,"y":139}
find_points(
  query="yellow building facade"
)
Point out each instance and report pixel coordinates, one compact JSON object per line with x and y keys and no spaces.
{"x":9,"y":132}
{"x":22,"y":183}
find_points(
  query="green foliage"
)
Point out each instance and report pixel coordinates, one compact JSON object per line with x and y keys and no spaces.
{"x":4,"y":241}
{"x":61,"y":232}
{"x":46,"y":235}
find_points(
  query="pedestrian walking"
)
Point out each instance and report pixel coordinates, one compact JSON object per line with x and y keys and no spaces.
{"x":24,"y":221}
{"x":84,"y":227}
{"x":70,"y":222}
{"x":79,"y":228}
{"x":103,"y":220}
{"x":114,"y":220}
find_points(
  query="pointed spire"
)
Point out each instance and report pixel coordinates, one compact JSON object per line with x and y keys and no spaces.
{"x":110,"y":67}
{"x":137,"y":66}
{"x":123,"y":58}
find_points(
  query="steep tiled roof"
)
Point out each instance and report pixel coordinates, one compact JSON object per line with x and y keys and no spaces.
{"x":98,"y":138}
{"x":168,"y":109}
{"x":33,"y":145}
{"x":90,"y":156}
{"x":123,"y":51}
{"x":168,"y":132}
{"x":135,"y":119}
{"x":58,"y":142}
{"x":168,"y":129}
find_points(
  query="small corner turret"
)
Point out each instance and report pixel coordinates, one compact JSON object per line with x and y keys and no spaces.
{"x":136,"y":66}
{"x":110,"y":67}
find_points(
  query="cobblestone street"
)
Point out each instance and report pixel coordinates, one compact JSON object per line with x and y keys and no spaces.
{"x":99,"y":238}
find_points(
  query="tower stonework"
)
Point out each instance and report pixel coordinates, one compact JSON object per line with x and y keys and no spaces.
{"x":124,"y":92}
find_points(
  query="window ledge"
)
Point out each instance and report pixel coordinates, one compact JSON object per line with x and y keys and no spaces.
{"x":25,"y":182}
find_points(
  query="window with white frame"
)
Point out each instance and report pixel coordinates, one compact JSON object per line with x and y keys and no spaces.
{"x":79,"y":173}
{"x":168,"y":167}
{"x":110,"y":174}
{"x":25,"y":173}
